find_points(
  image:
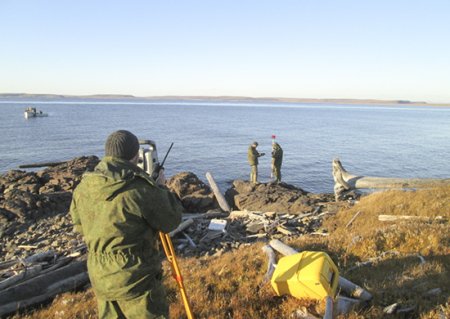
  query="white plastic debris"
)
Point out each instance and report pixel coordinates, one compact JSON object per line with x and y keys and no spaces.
{"x":217,"y":224}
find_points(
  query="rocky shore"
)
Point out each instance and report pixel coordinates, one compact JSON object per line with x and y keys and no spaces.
{"x":41,"y":256}
{"x":34,"y":209}
{"x":34,"y":212}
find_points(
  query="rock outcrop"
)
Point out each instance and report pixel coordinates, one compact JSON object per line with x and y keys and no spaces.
{"x":34,"y":207}
{"x":195,"y":195}
{"x":273,"y":197}
{"x":26,"y":196}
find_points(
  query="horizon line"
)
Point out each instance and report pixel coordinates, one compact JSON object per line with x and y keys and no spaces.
{"x":279,"y":99}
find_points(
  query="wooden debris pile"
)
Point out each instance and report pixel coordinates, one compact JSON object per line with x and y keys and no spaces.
{"x":266,"y":211}
{"x":214,"y":233}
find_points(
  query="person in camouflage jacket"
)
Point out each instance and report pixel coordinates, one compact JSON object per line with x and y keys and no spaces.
{"x":252,"y":156}
{"x":120,"y":210}
{"x":277,"y":159}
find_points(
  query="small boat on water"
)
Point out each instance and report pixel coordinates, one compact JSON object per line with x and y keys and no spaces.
{"x":32,"y":112}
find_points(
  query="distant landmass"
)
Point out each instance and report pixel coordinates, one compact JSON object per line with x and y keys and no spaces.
{"x":23,"y":96}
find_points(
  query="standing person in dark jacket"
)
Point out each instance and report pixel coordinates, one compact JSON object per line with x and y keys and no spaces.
{"x":252,"y":156}
{"x":277,"y":159}
{"x":119,"y":210}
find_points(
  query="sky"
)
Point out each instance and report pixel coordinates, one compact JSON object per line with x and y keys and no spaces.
{"x":383,"y":49}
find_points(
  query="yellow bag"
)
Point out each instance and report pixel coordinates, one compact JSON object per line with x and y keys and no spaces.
{"x":309,"y":274}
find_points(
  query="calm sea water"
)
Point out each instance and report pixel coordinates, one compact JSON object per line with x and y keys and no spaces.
{"x":396,"y":141}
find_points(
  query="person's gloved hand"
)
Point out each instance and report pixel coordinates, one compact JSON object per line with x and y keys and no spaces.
{"x":161,"y":180}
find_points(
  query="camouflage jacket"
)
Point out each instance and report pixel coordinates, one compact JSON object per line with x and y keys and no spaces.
{"x":277,"y":155}
{"x":120,"y":210}
{"x":252,"y":155}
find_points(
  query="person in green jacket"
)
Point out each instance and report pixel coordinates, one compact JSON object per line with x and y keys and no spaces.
{"x":252,"y":156}
{"x":277,"y":159}
{"x":120,"y":210}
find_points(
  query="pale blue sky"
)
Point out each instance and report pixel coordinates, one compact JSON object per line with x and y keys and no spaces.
{"x":383,"y":49}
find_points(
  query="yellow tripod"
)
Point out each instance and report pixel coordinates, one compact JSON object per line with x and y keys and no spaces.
{"x":170,"y":253}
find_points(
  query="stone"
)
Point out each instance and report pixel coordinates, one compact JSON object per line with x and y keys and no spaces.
{"x":270,"y":197}
{"x":194,"y":194}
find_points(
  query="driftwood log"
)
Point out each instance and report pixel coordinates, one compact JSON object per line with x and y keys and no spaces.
{"x":345,"y":181}
{"x":270,"y":262}
{"x":42,"y":288}
{"x":393,"y":218}
{"x":47,"y":164}
{"x":23,"y":275}
{"x":181,"y":227}
{"x":220,"y":199}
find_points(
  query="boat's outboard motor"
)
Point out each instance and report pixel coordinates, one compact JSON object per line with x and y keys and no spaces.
{"x":148,"y":158}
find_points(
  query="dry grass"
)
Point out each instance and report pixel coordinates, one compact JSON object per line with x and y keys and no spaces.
{"x":69,"y":305}
{"x":367,"y":237}
{"x":229,"y":286}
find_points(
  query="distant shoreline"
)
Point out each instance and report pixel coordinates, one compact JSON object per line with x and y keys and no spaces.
{"x":56,"y":97}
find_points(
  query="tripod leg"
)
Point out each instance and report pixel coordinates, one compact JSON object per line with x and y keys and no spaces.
{"x":170,"y":254}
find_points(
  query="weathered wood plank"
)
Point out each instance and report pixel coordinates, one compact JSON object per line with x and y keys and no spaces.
{"x":392,"y":218}
{"x":220,"y":199}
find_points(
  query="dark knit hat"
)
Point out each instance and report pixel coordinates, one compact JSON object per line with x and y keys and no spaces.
{"x":122,"y":144}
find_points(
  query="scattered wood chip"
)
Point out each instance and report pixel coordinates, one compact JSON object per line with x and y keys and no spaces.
{"x":256,"y":236}
{"x":255,"y":227}
{"x":27,"y":247}
{"x":285,"y":231}
{"x":391,"y":309}
{"x":319,"y":233}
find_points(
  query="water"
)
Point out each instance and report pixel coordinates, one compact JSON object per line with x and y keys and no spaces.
{"x":394,"y":141}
